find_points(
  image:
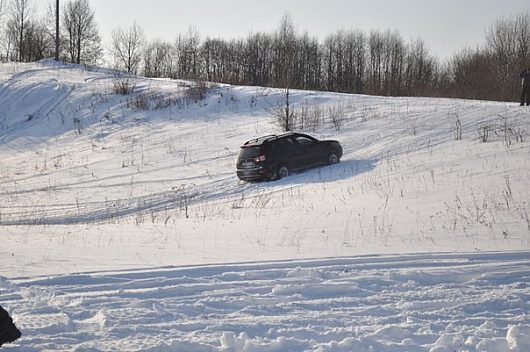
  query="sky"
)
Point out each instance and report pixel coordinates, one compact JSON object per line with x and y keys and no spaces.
{"x":446,"y":26}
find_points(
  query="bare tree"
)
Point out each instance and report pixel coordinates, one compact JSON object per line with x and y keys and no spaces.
{"x":214,"y":56}
{"x":508,"y":39}
{"x":473,"y":76}
{"x":2,"y":28}
{"x":309,"y":63}
{"x":83,"y":40}
{"x":419,"y":70}
{"x":37,"y":44}
{"x":49,"y":30}
{"x":158,"y":59}
{"x":20,"y":14}
{"x":127,"y":46}
{"x":522,"y":28}
{"x":376,"y":46}
{"x":345,"y":61}
{"x":57,"y":28}
{"x":285,"y":55}
{"x":187,"y":54}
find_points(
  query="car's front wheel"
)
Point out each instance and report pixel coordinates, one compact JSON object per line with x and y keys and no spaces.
{"x":333,"y":158}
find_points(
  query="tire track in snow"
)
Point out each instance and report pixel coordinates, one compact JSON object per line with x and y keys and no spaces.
{"x":42,"y":112}
{"x":44,"y":109}
{"x":223,"y":189}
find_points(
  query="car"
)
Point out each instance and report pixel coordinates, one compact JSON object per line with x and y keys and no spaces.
{"x":275,"y":156}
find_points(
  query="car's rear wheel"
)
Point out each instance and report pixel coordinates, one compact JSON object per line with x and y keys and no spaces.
{"x":333,"y":158}
{"x":282,"y":171}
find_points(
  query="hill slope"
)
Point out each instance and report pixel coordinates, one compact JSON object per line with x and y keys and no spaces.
{"x":95,"y":182}
{"x":155,"y":170}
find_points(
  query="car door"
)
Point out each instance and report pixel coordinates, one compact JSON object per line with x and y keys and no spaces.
{"x":310,"y":150}
{"x":293,"y":154}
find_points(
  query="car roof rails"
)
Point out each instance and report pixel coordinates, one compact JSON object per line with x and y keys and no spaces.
{"x":290,"y":133}
{"x":260,"y":139}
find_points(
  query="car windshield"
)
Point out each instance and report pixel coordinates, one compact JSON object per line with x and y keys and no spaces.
{"x":249,"y":152}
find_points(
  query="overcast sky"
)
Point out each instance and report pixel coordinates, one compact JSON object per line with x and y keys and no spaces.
{"x":445,"y":25}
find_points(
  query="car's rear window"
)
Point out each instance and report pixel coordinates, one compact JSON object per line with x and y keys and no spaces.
{"x":249,"y":152}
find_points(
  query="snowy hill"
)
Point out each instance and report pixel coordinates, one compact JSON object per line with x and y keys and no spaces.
{"x":123,"y":221}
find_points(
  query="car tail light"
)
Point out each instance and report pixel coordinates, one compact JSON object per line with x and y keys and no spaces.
{"x":260,"y":159}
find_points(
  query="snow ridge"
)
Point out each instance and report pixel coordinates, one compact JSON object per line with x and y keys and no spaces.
{"x":430,"y":302}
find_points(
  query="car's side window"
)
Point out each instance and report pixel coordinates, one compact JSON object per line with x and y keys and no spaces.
{"x":304,"y":141}
{"x":287,"y":144}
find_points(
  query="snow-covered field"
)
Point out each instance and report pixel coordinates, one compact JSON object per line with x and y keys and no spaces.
{"x":432,"y":302}
{"x":124,"y":227}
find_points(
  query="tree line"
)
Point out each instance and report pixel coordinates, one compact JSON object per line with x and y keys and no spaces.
{"x":28,"y":37}
{"x":350,"y":61}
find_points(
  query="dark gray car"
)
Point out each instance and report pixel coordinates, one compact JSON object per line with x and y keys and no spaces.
{"x":275,"y":156}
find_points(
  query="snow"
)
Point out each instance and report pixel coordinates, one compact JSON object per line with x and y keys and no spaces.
{"x":423,"y":302}
{"x":124,"y":227}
